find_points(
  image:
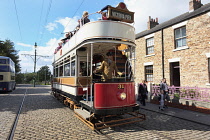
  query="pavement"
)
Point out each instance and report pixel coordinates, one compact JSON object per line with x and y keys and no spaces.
{"x":180,"y":113}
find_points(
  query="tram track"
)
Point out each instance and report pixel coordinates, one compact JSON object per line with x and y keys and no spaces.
{"x":14,"y":125}
{"x":103,"y":134}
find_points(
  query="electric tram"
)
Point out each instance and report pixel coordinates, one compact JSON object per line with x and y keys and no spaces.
{"x":94,"y":100}
{"x":7,"y":74}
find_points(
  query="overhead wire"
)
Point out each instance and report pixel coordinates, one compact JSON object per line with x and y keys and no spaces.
{"x":18,"y":20}
{"x":69,"y":21}
{"x":47,"y":15}
{"x":74,"y":13}
{"x":40,"y":19}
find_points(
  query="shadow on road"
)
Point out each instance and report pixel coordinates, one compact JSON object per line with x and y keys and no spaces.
{"x":38,"y":97}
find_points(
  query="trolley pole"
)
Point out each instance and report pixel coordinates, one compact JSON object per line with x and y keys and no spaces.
{"x":35,"y":60}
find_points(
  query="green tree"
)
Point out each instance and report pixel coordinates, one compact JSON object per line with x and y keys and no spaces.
{"x":20,"y":78}
{"x":8,"y":50}
{"x":44,"y":74}
{"x":29,"y":77}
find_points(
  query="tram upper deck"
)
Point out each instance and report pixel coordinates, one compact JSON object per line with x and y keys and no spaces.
{"x":103,"y":31}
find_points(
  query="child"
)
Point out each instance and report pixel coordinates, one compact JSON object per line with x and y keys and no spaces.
{"x":161,"y":100}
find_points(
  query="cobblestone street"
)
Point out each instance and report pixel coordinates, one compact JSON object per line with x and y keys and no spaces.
{"x":44,"y":117}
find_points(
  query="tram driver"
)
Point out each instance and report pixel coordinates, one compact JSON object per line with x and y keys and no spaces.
{"x":107,"y":68}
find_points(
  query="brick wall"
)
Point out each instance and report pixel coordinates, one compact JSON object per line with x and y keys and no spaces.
{"x":193,"y":61}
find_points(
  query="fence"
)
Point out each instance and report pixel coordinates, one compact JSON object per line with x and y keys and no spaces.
{"x":189,"y":93}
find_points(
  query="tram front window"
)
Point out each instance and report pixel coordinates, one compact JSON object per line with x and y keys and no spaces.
{"x":83,"y":69}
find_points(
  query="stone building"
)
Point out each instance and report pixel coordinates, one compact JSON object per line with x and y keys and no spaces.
{"x":178,"y":49}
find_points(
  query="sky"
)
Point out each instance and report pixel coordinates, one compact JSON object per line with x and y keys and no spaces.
{"x":25,"y":22}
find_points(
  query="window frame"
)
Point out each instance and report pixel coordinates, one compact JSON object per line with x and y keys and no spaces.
{"x":152,"y":46}
{"x":181,"y":37}
{"x":147,"y":73}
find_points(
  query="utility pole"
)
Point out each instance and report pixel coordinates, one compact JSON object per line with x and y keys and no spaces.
{"x":35,"y":60}
{"x":45,"y":77}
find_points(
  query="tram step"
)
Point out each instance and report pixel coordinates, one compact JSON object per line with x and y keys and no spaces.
{"x":83,"y":113}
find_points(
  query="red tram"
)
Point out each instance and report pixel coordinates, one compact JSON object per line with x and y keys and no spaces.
{"x":95,"y":100}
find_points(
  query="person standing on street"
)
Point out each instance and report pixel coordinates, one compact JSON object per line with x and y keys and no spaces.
{"x":142,"y":92}
{"x":165,"y":90}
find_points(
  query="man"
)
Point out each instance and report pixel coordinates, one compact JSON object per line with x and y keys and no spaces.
{"x":164,"y":89}
{"x":84,"y":18}
{"x":107,"y":67}
{"x":142,"y":92}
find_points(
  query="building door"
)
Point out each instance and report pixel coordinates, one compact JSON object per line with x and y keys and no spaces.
{"x":175,"y":74}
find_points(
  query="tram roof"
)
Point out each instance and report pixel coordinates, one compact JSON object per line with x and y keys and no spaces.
{"x":5,"y":57}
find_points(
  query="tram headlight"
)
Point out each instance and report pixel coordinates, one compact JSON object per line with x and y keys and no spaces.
{"x":123,"y":96}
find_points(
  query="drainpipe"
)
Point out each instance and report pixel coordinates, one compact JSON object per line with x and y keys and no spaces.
{"x":162,"y":53}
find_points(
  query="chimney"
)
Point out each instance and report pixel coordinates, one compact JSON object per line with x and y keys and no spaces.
{"x":194,"y":4}
{"x":152,"y":23}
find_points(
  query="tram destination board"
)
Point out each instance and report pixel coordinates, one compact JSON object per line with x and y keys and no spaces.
{"x":122,"y":15}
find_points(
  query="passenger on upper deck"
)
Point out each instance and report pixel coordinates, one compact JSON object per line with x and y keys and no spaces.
{"x":105,"y":8}
{"x":107,"y":67}
{"x":68,"y":36}
{"x":84,"y":18}
{"x":77,"y":27}
{"x":104,"y":14}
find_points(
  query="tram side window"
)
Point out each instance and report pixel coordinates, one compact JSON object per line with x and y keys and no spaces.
{"x":4,"y":68}
{"x":1,"y":77}
{"x":3,"y":61}
{"x":56,"y":72}
{"x":61,"y":71}
{"x":73,"y":68}
{"x":12,"y":69}
{"x":67,"y":69}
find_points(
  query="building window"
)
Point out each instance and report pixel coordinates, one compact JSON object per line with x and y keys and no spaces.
{"x":209,"y":68}
{"x":150,"y":46}
{"x":180,"y":37}
{"x":149,"y":73}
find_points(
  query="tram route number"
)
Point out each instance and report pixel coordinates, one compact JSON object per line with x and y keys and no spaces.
{"x":121,"y":86}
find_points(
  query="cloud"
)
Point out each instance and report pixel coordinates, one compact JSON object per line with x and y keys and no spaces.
{"x":44,"y":56}
{"x":27,"y":61}
{"x":69,"y":24}
{"x":51,"y":26}
{"x":24,"y":45}
{"x":164,"y":10}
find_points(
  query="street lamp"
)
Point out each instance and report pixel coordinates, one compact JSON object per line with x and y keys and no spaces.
{"x":35,"y":46}
{"x":34,"y":59}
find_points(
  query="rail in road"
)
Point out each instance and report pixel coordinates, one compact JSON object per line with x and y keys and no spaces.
{"x":12,"y":130}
